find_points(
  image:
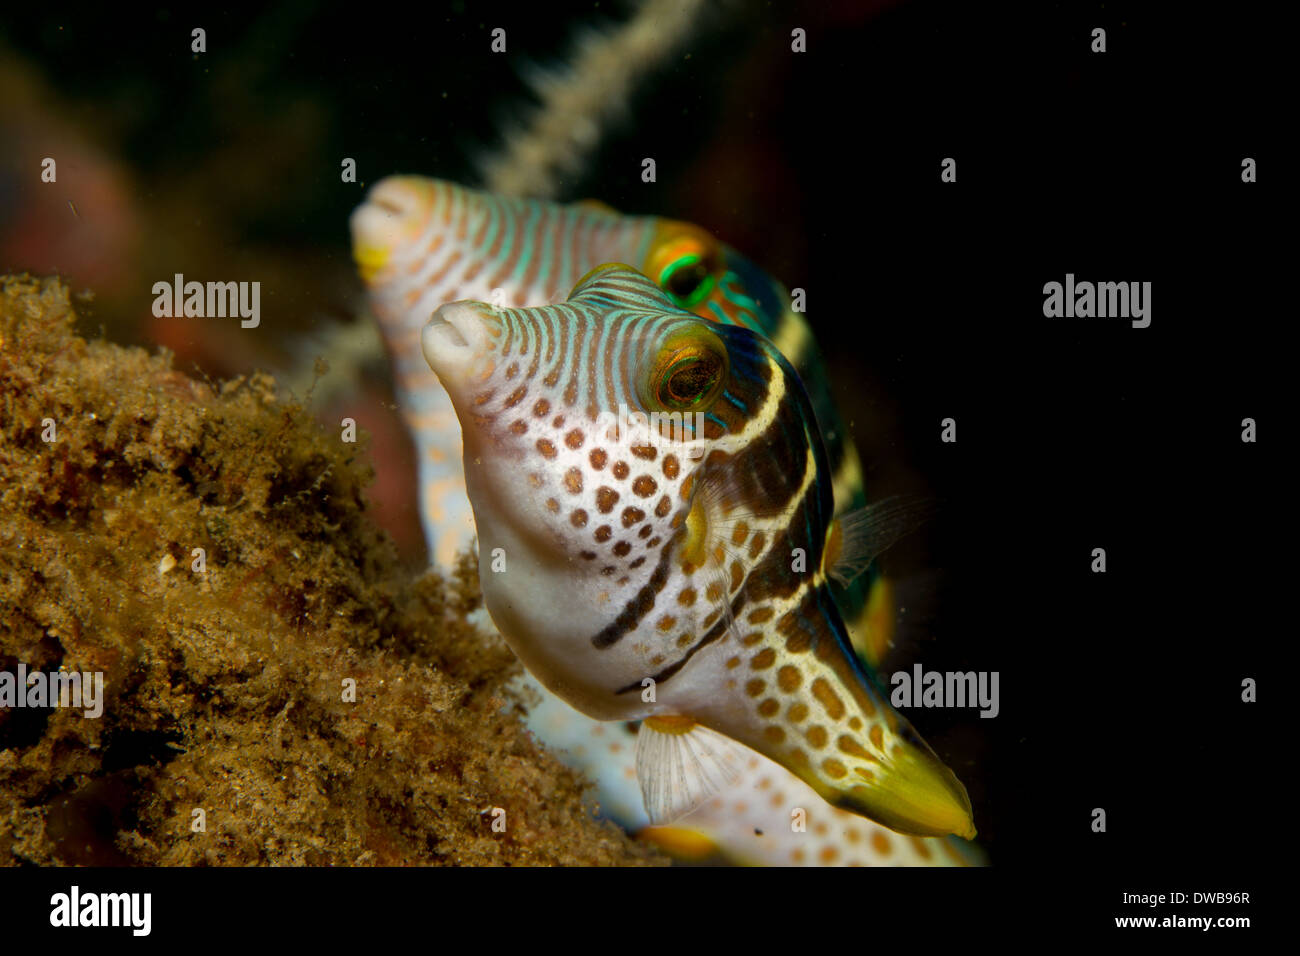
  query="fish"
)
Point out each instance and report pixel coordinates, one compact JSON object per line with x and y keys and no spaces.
{"x":654,"y":509}
{"x":420,"y":242}
{"x":406,"y":221}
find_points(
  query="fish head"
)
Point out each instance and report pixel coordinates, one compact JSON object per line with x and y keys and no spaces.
{"x":586,"y":425}
{"x":418,"y":241}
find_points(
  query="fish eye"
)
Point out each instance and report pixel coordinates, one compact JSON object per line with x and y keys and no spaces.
{"x":686,"y":262}
{"x":689,"y":373}
{"x":688,"y":280}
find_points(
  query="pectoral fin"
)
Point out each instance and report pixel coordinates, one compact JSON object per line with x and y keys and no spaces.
{"x":859,"y":537}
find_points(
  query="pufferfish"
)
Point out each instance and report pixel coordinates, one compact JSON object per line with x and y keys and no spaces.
{"x":422,"y":242}
{"x":678,"y":573}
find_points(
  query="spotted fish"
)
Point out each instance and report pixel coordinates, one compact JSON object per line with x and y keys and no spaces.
{"x":673,"y":572}
{"x":422,"y":242}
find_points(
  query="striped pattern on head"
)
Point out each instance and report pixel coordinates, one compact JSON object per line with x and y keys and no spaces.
{"x":420,"y":243}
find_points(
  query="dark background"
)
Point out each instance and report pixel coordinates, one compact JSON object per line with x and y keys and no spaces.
{"x":1119,"y":691}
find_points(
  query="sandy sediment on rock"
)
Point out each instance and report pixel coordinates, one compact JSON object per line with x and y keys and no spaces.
{"x":225,"y":690}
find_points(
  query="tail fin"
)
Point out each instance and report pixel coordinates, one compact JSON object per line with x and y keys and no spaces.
{"x":768,"y":817}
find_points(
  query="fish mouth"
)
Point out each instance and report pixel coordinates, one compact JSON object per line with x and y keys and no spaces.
{"x":394,"y":213}
{"x":392,"y":205}
{"x":455,"y":339}
{"x":443,"y":335}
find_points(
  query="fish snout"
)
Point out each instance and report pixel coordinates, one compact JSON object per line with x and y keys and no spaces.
{"x":456,"y":343}
{"x":395,"y":213}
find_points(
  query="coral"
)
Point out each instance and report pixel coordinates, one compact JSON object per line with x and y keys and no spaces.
{"x":577,"y":99}
{"x":224,"y":688}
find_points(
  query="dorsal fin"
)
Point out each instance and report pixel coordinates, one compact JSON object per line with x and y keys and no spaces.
{"x":618,"y":284}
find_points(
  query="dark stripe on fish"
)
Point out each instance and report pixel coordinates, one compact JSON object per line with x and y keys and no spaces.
{"x":641,"y":605}
{"x":713,"y":634}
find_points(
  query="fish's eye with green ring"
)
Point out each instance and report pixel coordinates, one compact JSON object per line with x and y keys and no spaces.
{"x":688,"y":280}
{"x":689,"y":373}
